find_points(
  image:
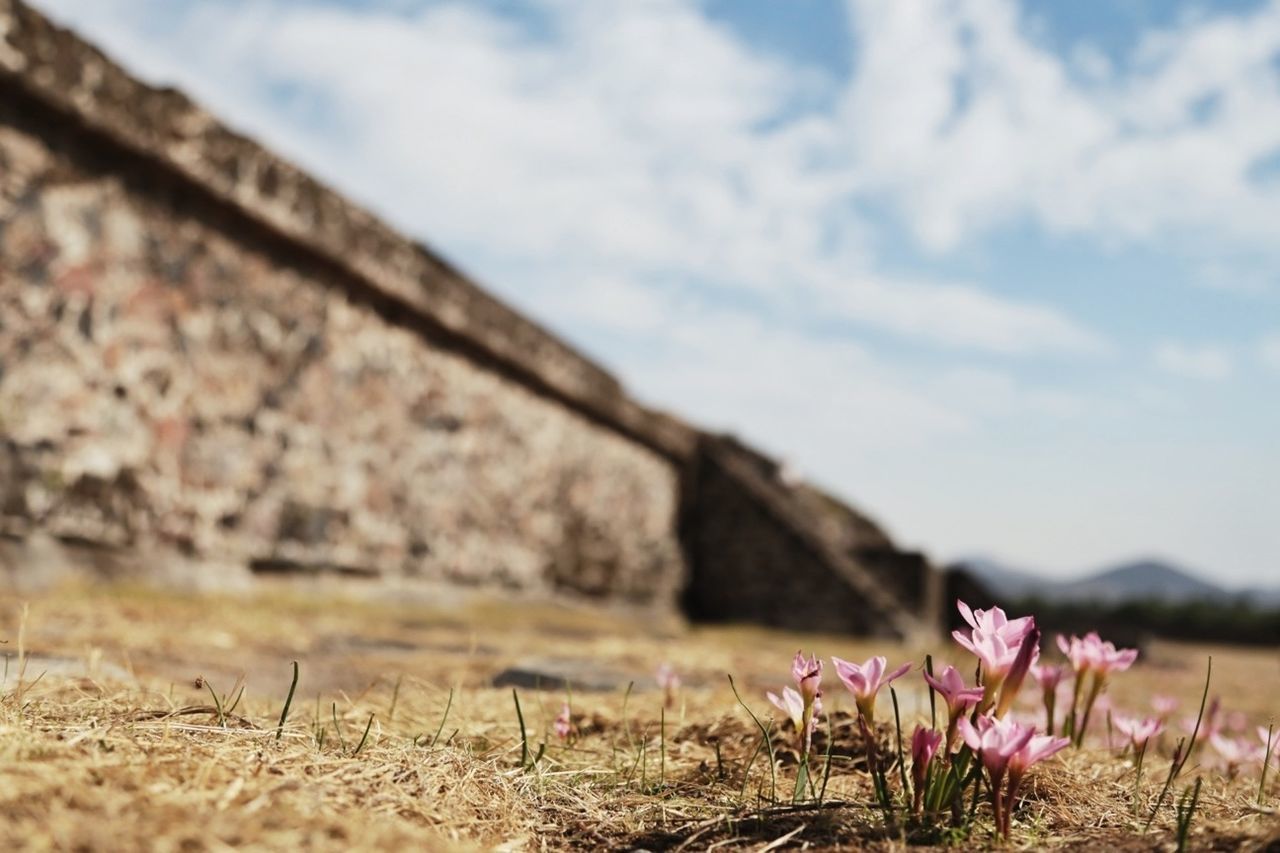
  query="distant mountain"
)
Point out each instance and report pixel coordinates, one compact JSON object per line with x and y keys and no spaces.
{"x":1139,"y":580}
{"x":1261,"y":596}
{"x":1004,"y":581}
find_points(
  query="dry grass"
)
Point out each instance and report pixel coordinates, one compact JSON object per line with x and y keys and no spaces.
{"x":116,"y":747}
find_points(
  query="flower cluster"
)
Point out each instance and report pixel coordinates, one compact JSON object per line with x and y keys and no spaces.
{"x":1092,"y":661}
{"x":988,"y":743}
{"x":982,"y":736}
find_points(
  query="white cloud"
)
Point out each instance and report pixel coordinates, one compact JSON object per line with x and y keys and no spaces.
{"x":1269,"y":350}
{"x":1247,"y":275}
{"x":1079,"y":148}
{"x":960,"y":315}
{"x":590,"y":147}
{"x":1194,"y":362}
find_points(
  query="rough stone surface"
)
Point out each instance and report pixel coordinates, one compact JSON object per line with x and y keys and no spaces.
{"x":214,"y":367}
{"x":175,"y":135}
{"x":164,"y":382}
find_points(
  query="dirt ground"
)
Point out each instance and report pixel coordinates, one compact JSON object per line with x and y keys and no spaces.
{"x":133,"y":718}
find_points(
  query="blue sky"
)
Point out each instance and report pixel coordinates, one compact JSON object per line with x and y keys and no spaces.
{"x":1005,"y":275}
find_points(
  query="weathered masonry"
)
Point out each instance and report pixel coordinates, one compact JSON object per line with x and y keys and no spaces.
{"x":209,"y":359}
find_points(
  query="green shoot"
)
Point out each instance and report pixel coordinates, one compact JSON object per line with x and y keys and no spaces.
{"x":364,"y":737}
{"x":1266,"y":760}
{"x":746,"y":771}
{"x":1180,"y":755}
{"x":773,"y":779}
{"x":236,"y":702}
{"x":933,"y":696}
{"x":284,"y":714}
{"x":342,"y":743}
{"x":897,"y":725}
{"x":524,"y":736}
{"x":447,"y":705}
{"x":217,"y":704}
{"x":1186,"y":813}
{"x":626,"y":723}
{"x":395,"y":697}
{"x":662,"y":746}
{"x":826,"y":768}
{"x":1137,"y":775}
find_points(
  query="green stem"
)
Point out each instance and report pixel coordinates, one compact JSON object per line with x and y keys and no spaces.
{"x":1266,"y":760}
{"x":524,"y":737}
{"x":1095,"y":688}
{"x":284,"y":714}
{"x":773,"y":779}
{"x":1137,"y":777}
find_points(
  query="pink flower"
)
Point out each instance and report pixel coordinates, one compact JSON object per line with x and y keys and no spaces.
{"x":996,"y":655}
{"x":808,"y":676}
{"x":995,"y":741}
{"x":1163,"y":705}
{"x":958,"y":698}
{"x":1038,"y":748}
{"x":999,"y":743}
{"x":992,"y":631}
{"x":951,"y":687}
{"x":1137,"y":731}
{"x":668,"y":681}
{"x":864,"y":681}
{"x":996,"y":641}
{"x":1006,"y":653}
{"x":790,"y":703}
{"x":1092,"y":654}
{"x":924,"y":746}
{"x":1235,"y":751}
{"x":993,"y":622}
{"x":1048,"y":676}
{"x":1028,"y":654}
{"x":563,"y":725}
{"x":803,"y":706}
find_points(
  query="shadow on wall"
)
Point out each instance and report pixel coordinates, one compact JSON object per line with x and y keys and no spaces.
{"x":764,"y":549}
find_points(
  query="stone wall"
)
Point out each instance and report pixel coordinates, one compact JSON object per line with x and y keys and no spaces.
{"x":770,"y":550}
{"x":167,"y":379}
{"x":170,"y":138}
{"x":208,"y":358}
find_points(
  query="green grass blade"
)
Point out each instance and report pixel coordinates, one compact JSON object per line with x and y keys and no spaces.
{"x":524,"y":735}
{"x":288,"y":701}
{"x":447,"y":705}
{"x":364,"y":737}
{"x":773,"y":779}
{"x":217,"y":703}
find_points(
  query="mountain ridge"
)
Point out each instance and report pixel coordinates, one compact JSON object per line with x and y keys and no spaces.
{"x":1145,"y":578}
